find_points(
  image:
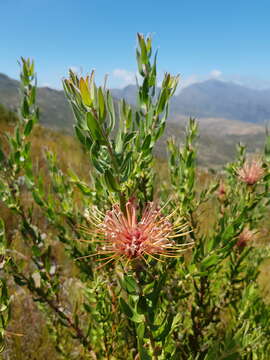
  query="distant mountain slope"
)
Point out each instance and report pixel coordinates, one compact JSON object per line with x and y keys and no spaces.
{"x":209,"y":99}
{"x":218,"y":134}
{"x":214,"y":98}
{"x":218,"y":138}
{"x":129,"y":93}
{"x":54,"y":109}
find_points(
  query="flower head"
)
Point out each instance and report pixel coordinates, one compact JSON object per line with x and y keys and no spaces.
{"x":245,"y":237}
{"x":221,"y":192}
{"x":251,"y":172}
{"x":124,"y":235}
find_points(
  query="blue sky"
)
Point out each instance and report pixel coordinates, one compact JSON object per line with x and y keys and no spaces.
{"x":202,"y":39}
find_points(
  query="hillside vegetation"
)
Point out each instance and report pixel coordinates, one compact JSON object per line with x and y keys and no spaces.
{"x":28,"y":329}
{"x":107,"y":252}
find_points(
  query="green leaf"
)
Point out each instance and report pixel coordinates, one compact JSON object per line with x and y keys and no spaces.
{"x":127,"y":170}
{"x":110,"y":181}
{"x":126,"y":308}
{"x":80,"y":134}
{"x":143,"y":48}
{"x":88,"y":308}
{"x":228,"y":233}
{"x":209,"y":261}
{"x":130,"y":284}
{"x":19,"y":280}
{"x":93,"y":127}
{"x":139,"y":62}
{"x":101,"y":102}
{"x":84,"y":188}
{"x":129,"y":137}
{"x":36,"y":251}
{"x":126,"y":160}
{"x":166,"y":329}
{"x":137,"y":318}
{"x":95,"y":149}
{"x":99,"y":166}
{"x":154,"y":295}
{"x":28,"y":127}
{"x":111,"y":111}
{"x":2,"y":155}
{"x":162,"y":101}
{"x":144,"y":355}
{"x":18,"y":136}
{"x":85,"y":92}
{"x":160,"y":131}
{"x":32,"y":98}
{"x":17,"y":156}
{"x":140,"y":331}
{"x":25,"y":108}
{"x":119,"y":143}
{"x":2,"y":237}
{"x":37,"y":198}
{"x":142,"y":307}
{"x":146,"y":143}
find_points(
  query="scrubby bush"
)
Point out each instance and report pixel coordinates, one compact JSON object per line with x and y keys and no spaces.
{"x":121,"y":265}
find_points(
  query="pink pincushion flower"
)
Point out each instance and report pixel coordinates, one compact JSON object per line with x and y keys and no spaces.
{"x":221,"y":192}
{"x":251,"y":172}
{"x":245,"y":237}
{"x":123,"y":235}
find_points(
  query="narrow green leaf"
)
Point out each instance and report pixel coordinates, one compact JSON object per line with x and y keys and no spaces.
{"x":85,"y":93}
{"x":140,"y":331}
{"x":209,"y":261}
{"x":94,"y":127}
{"x":137,"y":318}
{"x":80,"y":134}
{"x":2,"y":237}
{"x":126,"y":308}
{"x":130,"y":284}
{"x":142,"y":307}
{"x":110,"y":106}
{"x":101,"y":102}
{"x":162,"y":101}
{"x":146,"y":143}
{"x":144,"y":355}
{"x":166,"y":329}
{"x":2,"y":155}
{"x":36,"y":251}
{"x":160,"y":131}
{"x":110,"y":181}
{"x":84,"y":188}
{"x":143,"y":48}
{"x":37,"y":198}
{"x":28,"y":127}
{"x":126,"y":160}
{"x":25,"y":108}
{"x":98,"y":165}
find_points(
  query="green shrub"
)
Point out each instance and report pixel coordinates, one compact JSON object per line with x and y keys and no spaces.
{"x":122,"y":266}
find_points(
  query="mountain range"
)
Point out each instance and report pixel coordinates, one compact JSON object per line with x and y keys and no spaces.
{"x":227,"y":113}
{"x":214,"y":99}
{"x":54,"y":109}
